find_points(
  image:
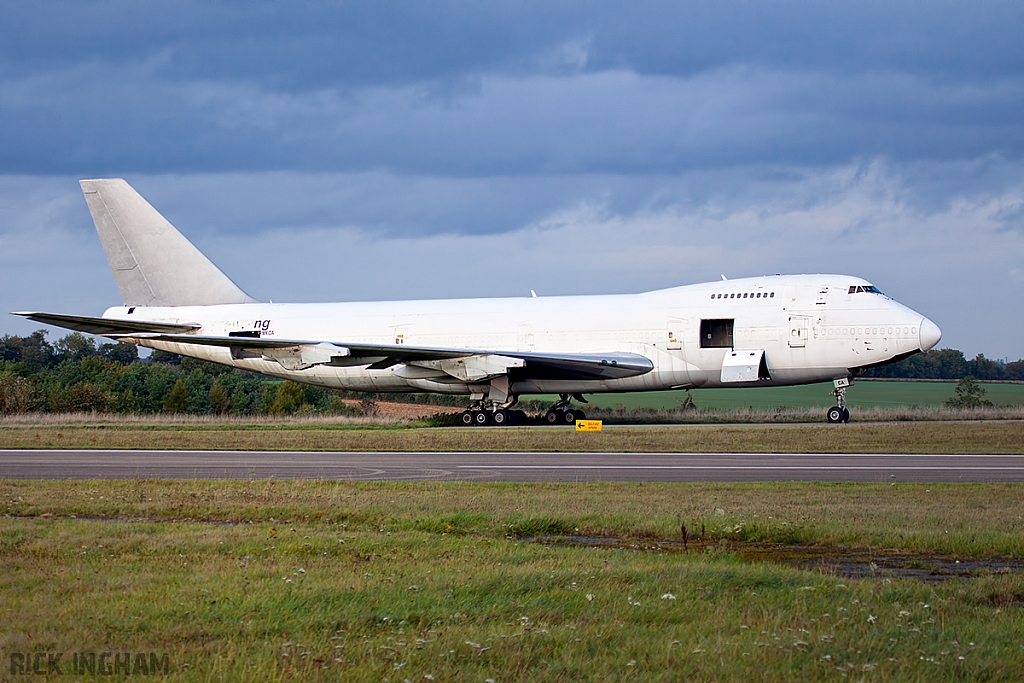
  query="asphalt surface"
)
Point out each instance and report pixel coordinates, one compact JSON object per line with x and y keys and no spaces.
{"x":579,"y":467}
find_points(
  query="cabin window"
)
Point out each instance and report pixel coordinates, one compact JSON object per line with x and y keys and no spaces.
{"x":716,"y":334}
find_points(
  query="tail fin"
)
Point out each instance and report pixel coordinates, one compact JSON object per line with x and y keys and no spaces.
{"x":153,"y":263}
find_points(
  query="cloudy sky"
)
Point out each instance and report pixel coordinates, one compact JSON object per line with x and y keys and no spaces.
{"x":351,"y":150}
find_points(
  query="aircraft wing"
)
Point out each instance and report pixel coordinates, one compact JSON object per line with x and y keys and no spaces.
{"x":297,"y":354}
{"x":107,"y":327}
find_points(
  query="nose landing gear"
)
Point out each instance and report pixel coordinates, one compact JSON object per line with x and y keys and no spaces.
{"x":839,"y":412}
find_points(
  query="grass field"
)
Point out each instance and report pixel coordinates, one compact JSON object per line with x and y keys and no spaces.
{"x":981,"y":437}
{"x":863,"y":394}
{"x":268,"y":581}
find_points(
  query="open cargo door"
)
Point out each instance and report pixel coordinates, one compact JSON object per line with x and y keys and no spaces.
{"x":744,"y":365}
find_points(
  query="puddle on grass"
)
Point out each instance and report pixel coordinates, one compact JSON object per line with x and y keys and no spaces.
{"x":844,"y":562}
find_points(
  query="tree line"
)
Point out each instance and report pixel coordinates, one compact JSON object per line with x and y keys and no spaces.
{"x":949,"y":364}
{"x":76,"y":374}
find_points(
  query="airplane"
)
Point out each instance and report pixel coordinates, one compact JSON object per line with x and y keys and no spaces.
{"x":753,"y":332}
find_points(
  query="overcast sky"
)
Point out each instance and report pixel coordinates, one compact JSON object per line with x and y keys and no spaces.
{"x":338,"y":151}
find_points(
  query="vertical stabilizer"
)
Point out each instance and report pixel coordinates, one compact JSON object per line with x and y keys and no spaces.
{"x":153,"y":263}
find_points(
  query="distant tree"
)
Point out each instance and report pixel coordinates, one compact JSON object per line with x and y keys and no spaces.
{"x":968,"y":394}
{"x":176,"y":400}
{"x":983,"y":368}
{"x":289,"y":398}
{"x":1015,"y":370}
{"x":142,"y":387}
{"x":164,"y":357}
{"x":122,"y":353}
{"x":17,"y":395}
{"x":87,"y":398}
{"x":74,"y":347}
{"x":198,"y":384}
{"x":218,"y":397}
{"x":34,"y":351}
{"x":212,"y":369}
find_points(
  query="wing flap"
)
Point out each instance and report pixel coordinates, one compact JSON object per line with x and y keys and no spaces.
{"x":534,"y":365}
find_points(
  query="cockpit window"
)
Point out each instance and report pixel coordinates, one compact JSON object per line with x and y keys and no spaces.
{"x":870,"y":289}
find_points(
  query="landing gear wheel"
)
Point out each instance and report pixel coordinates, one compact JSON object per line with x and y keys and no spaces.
{"x":554,"y":417}
{"x":481,"y":418}
{"x":846,"y":415}
{"x":834,"y":415}
{"x":501,"y":418}
{"x":569,"y":417}
{"x":466,"y":419}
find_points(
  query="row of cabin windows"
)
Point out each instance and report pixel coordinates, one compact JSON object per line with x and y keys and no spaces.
{"x":745,"y":295}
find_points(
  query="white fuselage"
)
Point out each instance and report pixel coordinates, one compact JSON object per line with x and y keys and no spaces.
{"x":809,"y":327}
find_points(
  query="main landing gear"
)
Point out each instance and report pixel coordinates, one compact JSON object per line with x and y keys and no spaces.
{"x":562,"y":414}
{"x":839,"y":413}
{"x":485,"y":413}
{"x":481,"y":417}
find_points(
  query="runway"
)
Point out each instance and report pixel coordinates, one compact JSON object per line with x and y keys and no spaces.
{"x":512,"y":467}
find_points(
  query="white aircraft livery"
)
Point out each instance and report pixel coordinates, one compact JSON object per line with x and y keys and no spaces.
{"x":763,"y":331}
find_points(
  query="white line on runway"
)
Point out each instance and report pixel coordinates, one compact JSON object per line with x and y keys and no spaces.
{"x":725,"y":467}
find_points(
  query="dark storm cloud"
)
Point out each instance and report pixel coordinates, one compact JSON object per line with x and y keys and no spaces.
{"x":502,"y":88}
{"x":303,"y":45}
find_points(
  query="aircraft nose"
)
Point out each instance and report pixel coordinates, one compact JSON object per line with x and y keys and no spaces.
{"x":930,"y":334}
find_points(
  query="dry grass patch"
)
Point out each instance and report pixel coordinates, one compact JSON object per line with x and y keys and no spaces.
{"x":953,"y":438}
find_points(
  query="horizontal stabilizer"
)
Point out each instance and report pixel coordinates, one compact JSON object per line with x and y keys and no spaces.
{"x":107,"y":327}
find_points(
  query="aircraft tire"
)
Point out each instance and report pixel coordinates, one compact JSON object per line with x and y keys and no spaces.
{"x":481,"y":418}
{"x":569,"y":417}
{"x":466,"y":419}
{"x":553,"y":417}
{"x":834,"y":415}
{"x":846,"y":415}
{"x":501,"y":418}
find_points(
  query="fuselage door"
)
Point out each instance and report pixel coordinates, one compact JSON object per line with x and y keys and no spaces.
{"x":674,"y":334}
{"x":798,"y":325}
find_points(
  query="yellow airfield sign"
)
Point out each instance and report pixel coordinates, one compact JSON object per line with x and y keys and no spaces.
{"x":588,"y":425}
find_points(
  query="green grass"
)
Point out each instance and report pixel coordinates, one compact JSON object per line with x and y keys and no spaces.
{"x":272,"y":581}
{"x":863,"y":394}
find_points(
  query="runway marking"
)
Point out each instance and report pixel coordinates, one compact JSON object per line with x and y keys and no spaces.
{"x":726,"y":467}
